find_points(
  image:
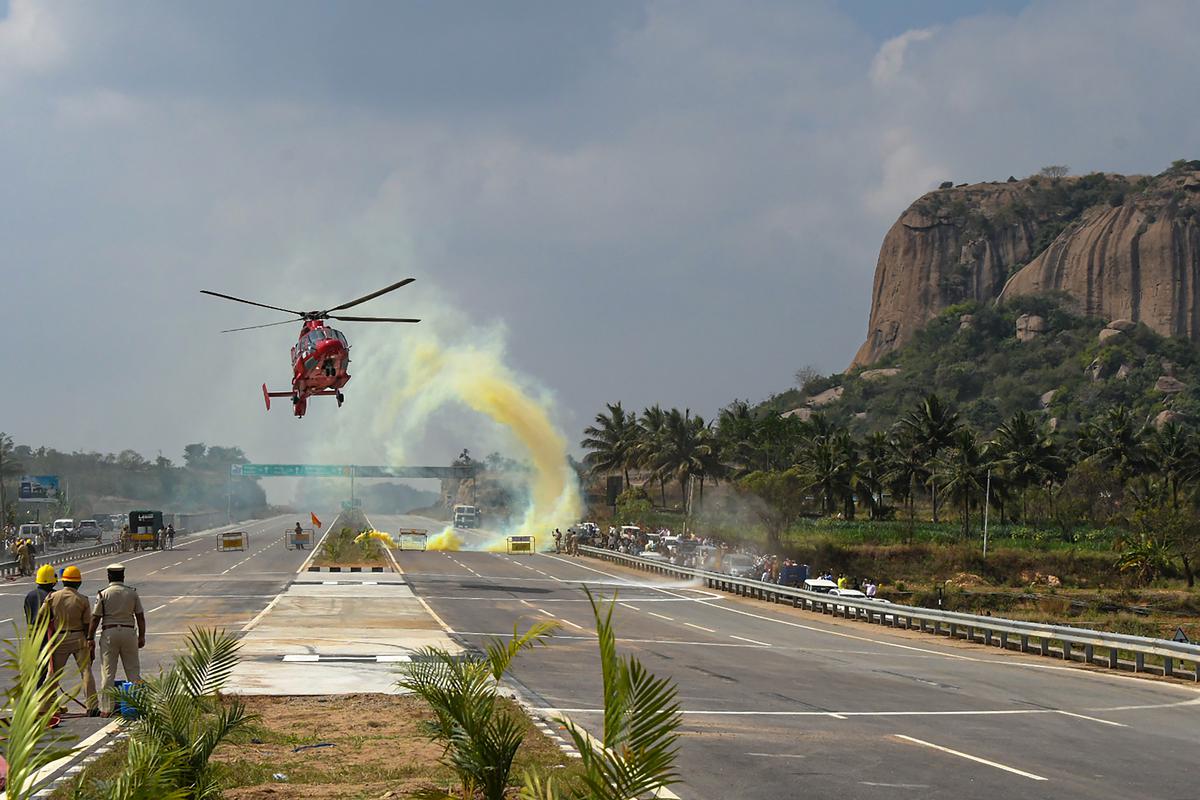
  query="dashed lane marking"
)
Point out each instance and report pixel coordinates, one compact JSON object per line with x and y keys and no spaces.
{"x":699,"y":627}
{"x":751,"y":641}
{"x":661,"y":616}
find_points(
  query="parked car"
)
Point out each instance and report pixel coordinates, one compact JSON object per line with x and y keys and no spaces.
{"x":820,"y":585}
{"x":88,"y":529}
{"x":738,"y":565}
{"x":63,"y":530}
{"x":852,"y":593}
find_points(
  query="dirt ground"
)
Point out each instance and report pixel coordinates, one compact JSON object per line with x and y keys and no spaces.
{"x":347,"y":747}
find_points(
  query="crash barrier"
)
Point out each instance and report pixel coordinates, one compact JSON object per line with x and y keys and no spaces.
{"x":298,"y":541}
{"x":1059,"y":641}
{"x":233,"y":540}
{"x":521,"y":544}
{"x":412,"y":538}
{"x":65,"y":557}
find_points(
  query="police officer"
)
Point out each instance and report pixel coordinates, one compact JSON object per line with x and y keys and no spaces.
{"x":72,"y":614}
{"x":121,"y":621}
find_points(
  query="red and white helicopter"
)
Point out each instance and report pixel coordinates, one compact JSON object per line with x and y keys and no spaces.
{"x":322,"y":354}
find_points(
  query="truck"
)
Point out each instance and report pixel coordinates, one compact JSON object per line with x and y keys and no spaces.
{"x":466,"y":516}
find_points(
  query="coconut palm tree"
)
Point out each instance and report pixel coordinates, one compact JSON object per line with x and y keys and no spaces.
{"x":612,"y":442}
{"x":687,"y":449}
{"x":1025,"y":455}
{"x":872,"y":470}
{"x":1117,"y":440}
{"x":829,"y":464}
{"x":907,"y":467}
{"x":962,"y":473}
{"x":1175,"y":455}
{"x":932,"y":425}
{"x":650,"y":432}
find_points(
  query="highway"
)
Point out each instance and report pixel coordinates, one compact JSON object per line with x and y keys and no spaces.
{"x":782,"y":703}
{"x":192,"y":585}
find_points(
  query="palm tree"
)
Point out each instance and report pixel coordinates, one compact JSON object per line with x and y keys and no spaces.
{"x":907,"y":467}
{"x":933,"y":426}
{"x":962,"y":471}
{"x":872,"y":471}
{"x":1025,"y":455}
{"x":687,"y":450}
{"x":8,"y":468}
{"x":611,"y":442}
{"x":650,"y":432}
{"x":1175,"y":455}
{"x":1117,"y":441}
{"x":829,"y":463}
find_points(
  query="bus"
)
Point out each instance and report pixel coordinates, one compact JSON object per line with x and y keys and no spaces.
{"x":466,"y":517}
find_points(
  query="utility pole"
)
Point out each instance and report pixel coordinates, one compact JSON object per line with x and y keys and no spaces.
{"x":987,"y":501}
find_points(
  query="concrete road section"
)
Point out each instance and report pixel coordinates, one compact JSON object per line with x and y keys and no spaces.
{"x":192,"y":585}
{"x":782,"y":703}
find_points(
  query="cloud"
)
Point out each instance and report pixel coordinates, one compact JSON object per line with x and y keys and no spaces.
{"x":30,"y":40}
{"x":660,"y":201}
{"x":889,"y":61}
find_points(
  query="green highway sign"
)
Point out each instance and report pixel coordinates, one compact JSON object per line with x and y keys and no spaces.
{"x":291,"y":471}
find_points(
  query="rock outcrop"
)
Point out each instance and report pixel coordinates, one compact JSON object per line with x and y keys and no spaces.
{"x":1126,"y":249}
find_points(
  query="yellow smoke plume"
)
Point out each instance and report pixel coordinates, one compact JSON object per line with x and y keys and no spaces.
{"x":383,"y":538}
{"x":434,"y":375}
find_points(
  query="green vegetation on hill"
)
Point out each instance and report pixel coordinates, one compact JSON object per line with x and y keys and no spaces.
{"x":970,"y":357}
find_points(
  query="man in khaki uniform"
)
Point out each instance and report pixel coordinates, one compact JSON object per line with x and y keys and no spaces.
{"x":119,"y":616}
{"x":72,"y":614}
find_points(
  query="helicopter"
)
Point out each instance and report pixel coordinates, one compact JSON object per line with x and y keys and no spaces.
{"x":322,"y":354}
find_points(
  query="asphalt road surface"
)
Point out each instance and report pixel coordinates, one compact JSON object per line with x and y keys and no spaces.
{"x":192,"y":585}
{"x":781,"y":703}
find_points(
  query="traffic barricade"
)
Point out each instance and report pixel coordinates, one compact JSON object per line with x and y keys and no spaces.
{"x":298,"y":540}
{"x":233,"y":540}
{"x":522,"y":544}
{"x":412,"y":538}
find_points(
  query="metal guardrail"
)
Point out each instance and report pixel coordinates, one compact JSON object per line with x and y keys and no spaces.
{"x":13,"y":568}
{"x":1061,"y":641}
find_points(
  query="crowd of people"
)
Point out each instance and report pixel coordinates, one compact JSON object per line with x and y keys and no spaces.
{"x":703,"y":552}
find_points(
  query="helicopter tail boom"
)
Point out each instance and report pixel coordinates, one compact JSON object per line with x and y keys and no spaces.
{"x":268,"y":395}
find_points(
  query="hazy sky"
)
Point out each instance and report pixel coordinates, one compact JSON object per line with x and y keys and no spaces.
{"x":678,"y":202}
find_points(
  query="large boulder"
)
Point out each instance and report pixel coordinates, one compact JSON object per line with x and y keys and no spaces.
{"x":826,"y":397}
{"x":1030,"y":327}
{"x":1168,"y":385}
{"x":1047,"y":398}
{"x":1168,"y":416}
{"x":803,"y":414}
{"x":871,"y":375}
{"x":1107,"y":334}
{"x":1122,"y":325}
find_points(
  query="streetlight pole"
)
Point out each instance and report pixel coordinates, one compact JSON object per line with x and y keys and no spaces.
{"x":987,"y":501}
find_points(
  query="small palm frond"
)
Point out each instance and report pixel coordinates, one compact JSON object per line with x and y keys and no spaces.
{"x":208,"y":660}
{"x":27,"y":742}
{"x":500,"y":654}
{"x":150,"y":772}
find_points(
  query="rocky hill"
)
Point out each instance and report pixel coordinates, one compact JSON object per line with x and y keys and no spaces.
{"x":1119,"y":247}
{"x":1028,"y":353}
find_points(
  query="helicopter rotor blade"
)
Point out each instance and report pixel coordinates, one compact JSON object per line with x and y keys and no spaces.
{"x":256,"y":327}
{"x":252,"y":303}
{"x":371,"y":296}
{"x":373,"y":319}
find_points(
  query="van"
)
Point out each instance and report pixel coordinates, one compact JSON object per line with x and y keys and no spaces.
{"x":62,"y":530}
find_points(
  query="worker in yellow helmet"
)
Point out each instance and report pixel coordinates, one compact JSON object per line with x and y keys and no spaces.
{"x":72,"y":613}
{"x":35,"y":600}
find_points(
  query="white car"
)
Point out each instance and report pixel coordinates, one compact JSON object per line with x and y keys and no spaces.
{"x":854,"y":594}
{"x":820,"y":585}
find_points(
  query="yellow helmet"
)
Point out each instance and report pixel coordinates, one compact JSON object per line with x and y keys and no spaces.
{"x":72,"y":573}
{"x":46,"y":575}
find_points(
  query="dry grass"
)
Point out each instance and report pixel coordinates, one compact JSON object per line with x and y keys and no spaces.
{"x":379,"y":749}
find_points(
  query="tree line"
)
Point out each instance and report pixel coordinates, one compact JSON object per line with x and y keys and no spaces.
{"x":1115,"y":470}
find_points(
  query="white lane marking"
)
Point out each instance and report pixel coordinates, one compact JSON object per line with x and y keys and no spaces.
{"x":699,"y":627}
{"x":621,"y":640}
{"x":631,"y":608}
{"x":777,"y":755}
{"x":1092,"y":719}
{"x":544,"y":611}
{"x":568,"y":622}
{"x":661,"y":616}
{"x":751,"y":641}
{"x":970,"y":757}
{"x":156,"y":608}
{"x":844,"y":715}
{"x":896,"y":785}
{"x":428,"y":608}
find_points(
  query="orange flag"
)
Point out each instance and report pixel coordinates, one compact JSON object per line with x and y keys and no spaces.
{"x":316,"y":522}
